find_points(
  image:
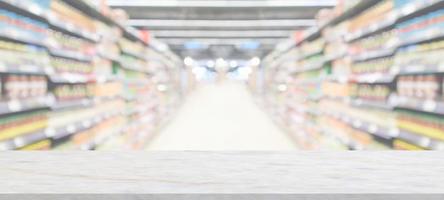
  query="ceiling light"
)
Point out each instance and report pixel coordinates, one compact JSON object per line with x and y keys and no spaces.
{"x":188,"y":61}
{"x":210,"y":64}
{"x":233,"y":64}
{"x":255,"y":61}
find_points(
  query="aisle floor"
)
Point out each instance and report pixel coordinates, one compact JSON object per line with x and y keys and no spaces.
{"x":221,"y":116}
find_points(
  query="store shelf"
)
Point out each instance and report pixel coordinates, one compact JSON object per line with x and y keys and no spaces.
{"x":371,"y":104}
{"x":36,"y":13}
{"x":419,"y":140}
{"x":90,"y":11}
{"x":78,"y":103}
{"x":331,"y":58}
{"x":372,"y":78}
{"x":13,"y":106}
{"x":71,"y":78}
{"x":16,"y":37}
{"x":97,"y":141}
{"x":309,"y":54}
{"x":395,"y":17}
{"x":369,"y":55}
{"x":430,"y":35}
{"x":74,"y":43}
{"x":23,"y":140}
{"x":70,"y":55}
{"x":367,"y":127}
{"x":79,"y":126}
{"x":417,"y":69}
{"x":351,"y":12}
{"x":310,"y":67}
{"x":24,"y":8}
{"x":134,"y":54}
{"x":375,"y":28}
{"x":430,"y":106}
{"x":70,"y":29}
{"x":24,"y":69}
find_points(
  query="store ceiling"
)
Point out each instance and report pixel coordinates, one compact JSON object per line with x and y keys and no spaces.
{"x":232,"y":29}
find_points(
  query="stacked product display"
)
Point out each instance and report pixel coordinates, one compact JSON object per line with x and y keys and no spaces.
{"x":369,"y":76}
{"x":72,"y":77}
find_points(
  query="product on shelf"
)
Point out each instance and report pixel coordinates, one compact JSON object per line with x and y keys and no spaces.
{"x":63,"y":65}
{"x":24,"y":86}
{"x":381,"y":65}
{"x":313,"y":47}
{"x":18,"y":57}
{"x":130,"y":47}
{"x":420,"y":123}
{"x":382,"y":85}
{"x":381,"y":41}
{"x":41,"y":145}
{"x":12,"y":126}
{"x":71,"y":92}
{"x":64,"y":71}
{"x":70,"y":44}
{"x":66,"y":13}
{"x":421,"y":26}
{"x":377,"y":12}
{"x":402,"y":145}
{"x":421,"y":86}
{"x":19,"y":26}
{"x":377,"y":93}
{"x":420,"y":58}
{"x":109,"y":89}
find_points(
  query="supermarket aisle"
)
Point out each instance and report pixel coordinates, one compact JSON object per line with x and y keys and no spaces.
{"x":221,"y":117}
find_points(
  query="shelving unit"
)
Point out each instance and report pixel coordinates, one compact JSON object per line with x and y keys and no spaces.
{"x":78,"y":72}
{"x":375,"y":80}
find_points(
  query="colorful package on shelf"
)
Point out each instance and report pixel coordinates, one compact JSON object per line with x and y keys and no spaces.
{"x":335,"y":90}
{"x":15,"y":24}
{"x":40,"y":145}
{"x":372,"y":43}
{"x":420,"y":86}
{"x":130,"y":47}
{"x":70,"y":92}
{"x":42,"y":4}
{"x":24,"y":86}
{"x":422,"y":25}
{"x":63,"y":65}
{"x":103,"y":67}
{"x":313,"y":47}
{"x":23,"y":57}
{"x":381,"y":65}
{"x":402,"y":3}
{"x":421,"y":123}
{"x":63,"y":42}
{"x":15,"y":125}
{"x":69,"y":14}
{"x":371,"y":92}
{"x":90,"y":137}
{"x":376,"y":13}
{"x":109,"y":89}
{"x":403,"y":145}
{"x":422,"y":57}
{"x":61,"y":118}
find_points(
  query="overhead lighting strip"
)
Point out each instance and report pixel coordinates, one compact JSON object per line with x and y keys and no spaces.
{"x":222,"y":23}
{"x":223,"y":4}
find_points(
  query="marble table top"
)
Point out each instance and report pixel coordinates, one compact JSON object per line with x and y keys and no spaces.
{"x":253,"y":175}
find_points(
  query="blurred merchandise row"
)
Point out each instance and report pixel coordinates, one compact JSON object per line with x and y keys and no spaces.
{"x":73,"y":77}
{"x":370,"y":75}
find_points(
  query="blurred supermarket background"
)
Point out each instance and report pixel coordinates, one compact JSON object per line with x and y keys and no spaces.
{"x":221,"y":74}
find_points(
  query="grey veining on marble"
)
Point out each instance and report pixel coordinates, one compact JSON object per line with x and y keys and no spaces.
{"x":108,"y":172}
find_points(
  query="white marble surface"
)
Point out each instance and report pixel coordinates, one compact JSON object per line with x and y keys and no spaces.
{"x":107,"y":172}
